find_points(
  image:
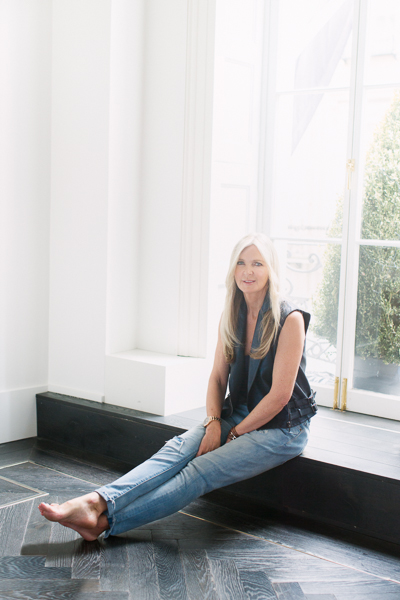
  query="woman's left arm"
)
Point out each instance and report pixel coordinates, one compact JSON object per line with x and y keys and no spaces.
{"x":286,"y":366}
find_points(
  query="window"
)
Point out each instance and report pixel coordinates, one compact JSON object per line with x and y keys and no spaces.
{"x":331,"y":200}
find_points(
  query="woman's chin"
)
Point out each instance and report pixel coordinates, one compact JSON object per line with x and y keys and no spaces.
{"x":251,"y":289}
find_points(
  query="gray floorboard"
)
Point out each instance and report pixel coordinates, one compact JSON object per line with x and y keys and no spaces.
{"x":45,"y":589}
{"x":203,"y":553}
{"x":227,"y":579}
{"x":30,"y":567}
{"x":13,"y":523}
{"x":114,"y":565}
{"x":344,"y":548}
{"x":73,"y":467}
{"x":257,"y":585}
{"x":86,"y":560}
{"x":289,"y":591}
{"x":142,"y":571}
{"x":38,"y":531}
{"x":62,"y":546}
{"x":171,"y":577}
{"x":198,"y":577}
{"x":11,"y":492}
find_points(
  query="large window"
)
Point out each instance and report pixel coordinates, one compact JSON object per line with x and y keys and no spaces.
{"x":331,"y":198}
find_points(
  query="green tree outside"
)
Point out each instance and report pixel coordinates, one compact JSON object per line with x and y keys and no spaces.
{"x":378,"y":307}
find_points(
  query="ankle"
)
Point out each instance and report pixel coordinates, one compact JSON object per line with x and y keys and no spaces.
{"x":99,"y":502}
{"x":103,"y":523}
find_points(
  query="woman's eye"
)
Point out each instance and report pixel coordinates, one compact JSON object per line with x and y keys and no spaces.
{"x":258,"y":264}
{"x":240,"y":262}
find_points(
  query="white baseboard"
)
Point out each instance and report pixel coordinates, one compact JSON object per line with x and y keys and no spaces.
{"x":18,"y":413}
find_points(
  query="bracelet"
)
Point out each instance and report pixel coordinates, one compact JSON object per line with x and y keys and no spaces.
{"x":233,"y":434}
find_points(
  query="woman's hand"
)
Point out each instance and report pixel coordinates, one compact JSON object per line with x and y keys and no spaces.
{"x":211,"y":439}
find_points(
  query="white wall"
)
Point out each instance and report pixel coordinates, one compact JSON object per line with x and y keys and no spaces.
{"x":172,"y":260}
{"x":117,"y":155}
{"x":125,"y":165}
{"x":162,"y":167}
{"x":25,"y":60}
{"x":122,"y":106}
{"x":106,"y":145}
{"x":79,"y":196}
{"x":176,"y":161}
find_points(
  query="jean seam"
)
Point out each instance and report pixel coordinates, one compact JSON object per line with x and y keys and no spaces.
{"x":288,"y":443}
{"x":200,"y":474}
{"x":122,"y":494}
{"x":294,"y":438}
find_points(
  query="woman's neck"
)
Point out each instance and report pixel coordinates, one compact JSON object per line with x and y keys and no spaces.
{"x":254,"y":302}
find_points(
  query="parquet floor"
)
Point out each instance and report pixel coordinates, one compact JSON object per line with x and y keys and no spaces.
{"x":205,"y":552}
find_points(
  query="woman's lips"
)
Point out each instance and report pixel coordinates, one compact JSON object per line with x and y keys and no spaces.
{"x":248,"y":280}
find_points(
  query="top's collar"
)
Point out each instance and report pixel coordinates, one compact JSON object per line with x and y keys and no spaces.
{"x":254,"y":363}
{"x":242,"y":317}
{"x":266,"y":305}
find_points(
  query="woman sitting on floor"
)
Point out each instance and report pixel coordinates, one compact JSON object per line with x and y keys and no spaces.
{"x":262,"y":423}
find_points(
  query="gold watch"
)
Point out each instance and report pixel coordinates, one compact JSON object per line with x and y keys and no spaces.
{"x":208,"y":420}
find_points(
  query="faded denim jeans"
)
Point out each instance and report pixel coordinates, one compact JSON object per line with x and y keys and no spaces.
{"x":174,"y":477}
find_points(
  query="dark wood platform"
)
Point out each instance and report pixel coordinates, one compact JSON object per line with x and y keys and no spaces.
{"x":348,"y":476}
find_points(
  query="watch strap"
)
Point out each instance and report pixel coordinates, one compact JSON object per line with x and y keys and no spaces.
{"x":208,"y":420}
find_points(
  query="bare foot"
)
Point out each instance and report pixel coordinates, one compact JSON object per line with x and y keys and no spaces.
{"x":83,"y":514}
{"x":89,"y":534}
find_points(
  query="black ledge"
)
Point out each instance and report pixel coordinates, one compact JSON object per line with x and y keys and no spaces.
{"x":348,"y":476}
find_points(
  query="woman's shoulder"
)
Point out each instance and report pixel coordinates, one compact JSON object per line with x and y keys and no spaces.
{"x":288,"y":308}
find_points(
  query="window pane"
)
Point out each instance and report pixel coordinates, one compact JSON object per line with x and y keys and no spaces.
{"x":377,"y":347}
{"x":309,"y":179}
{"x":383,"y":42}
{"x":381,"y":152}
{"x":314,"y":43}
{"x":311,"y":281}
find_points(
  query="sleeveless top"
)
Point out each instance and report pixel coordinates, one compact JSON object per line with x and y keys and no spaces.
{"x":301,"y":405}
{"x":244,"y":379}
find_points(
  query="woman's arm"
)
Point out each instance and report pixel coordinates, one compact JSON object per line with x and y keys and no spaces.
{"x":286,"y":366}
{"x":215,"y":399}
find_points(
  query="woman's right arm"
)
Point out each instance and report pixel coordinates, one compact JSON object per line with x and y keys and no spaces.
{"x":215,"y":399}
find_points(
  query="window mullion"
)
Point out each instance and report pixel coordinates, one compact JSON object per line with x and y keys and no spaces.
{"x":353,"y":197}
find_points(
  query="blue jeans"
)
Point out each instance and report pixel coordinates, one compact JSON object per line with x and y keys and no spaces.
{"x":174,"y":477}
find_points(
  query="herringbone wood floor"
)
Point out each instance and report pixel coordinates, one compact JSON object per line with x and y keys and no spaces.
{"x":204,"y":552}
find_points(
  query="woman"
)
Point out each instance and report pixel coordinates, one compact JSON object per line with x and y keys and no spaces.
{"x":261,"y":424}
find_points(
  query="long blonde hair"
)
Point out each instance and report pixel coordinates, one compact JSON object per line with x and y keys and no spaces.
{"x":234,"y":296}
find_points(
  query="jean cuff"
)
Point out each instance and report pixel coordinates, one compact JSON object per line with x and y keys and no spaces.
{"x":109,"y":512}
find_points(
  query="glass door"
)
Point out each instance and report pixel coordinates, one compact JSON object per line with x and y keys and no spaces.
{"x":372,"y":322}
{"x":333,"y":150}
{"x":310,"y":76}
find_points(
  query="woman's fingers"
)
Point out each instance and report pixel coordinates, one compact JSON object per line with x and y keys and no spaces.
{"x":207,"y":446}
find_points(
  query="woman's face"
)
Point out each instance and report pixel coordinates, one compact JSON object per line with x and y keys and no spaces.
{"x":251,"y":273}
